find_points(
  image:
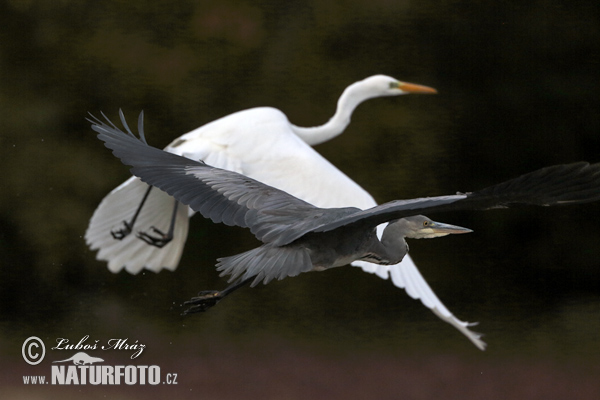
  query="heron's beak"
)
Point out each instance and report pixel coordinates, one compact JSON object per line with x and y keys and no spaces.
{"x":414,"y":88}
{"x":438,"y":229}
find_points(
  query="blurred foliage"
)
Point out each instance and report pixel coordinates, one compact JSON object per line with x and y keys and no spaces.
{"x":518,"y":89}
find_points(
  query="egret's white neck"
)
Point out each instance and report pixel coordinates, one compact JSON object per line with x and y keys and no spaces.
{"x":349,"y":100}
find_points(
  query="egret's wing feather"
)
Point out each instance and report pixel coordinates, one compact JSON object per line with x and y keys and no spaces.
{"x":407,"y":276}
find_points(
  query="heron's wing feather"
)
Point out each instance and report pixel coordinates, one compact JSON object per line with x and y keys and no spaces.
{"x":223,"y":196}
{"x":555,"y":185}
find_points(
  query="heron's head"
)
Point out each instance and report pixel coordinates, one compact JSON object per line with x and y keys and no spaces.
{"x":382,"y":85}
{"x":421,"y":227}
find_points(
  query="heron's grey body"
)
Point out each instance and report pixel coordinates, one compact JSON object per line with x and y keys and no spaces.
{"x":299,"y":237}
{"x":314,"y":252}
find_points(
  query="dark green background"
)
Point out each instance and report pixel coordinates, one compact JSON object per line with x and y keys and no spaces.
{"x":518,"y":90}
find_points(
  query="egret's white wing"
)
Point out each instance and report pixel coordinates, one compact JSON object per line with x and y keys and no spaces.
{"x":406,"y":276}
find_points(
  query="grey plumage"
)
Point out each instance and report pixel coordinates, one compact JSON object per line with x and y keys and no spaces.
{"x":299,"y":237}
{"x":265,"y":263}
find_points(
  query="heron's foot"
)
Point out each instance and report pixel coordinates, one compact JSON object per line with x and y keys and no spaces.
{"x":120,"y":234}
{"x":160,"y":239}
{"x":205,"y":300}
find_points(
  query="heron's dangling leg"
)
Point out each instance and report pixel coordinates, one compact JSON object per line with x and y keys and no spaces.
{"x":162,"y":238}
{"x":209,"y":298}
{"x":120,"y":234}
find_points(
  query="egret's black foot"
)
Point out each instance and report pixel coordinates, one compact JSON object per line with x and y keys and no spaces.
{"x":205,"y":300}
{"x":120,"y":234}
{"x":160,"y":240}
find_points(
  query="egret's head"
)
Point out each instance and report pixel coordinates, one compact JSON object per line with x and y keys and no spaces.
{"x":382,"y":85}
{"x":421,"y":227}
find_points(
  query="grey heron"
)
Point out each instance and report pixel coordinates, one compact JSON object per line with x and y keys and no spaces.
{"x":263,"y":144}
{"x":298,"y":237}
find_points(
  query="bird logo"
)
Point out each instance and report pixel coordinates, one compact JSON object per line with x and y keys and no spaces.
{"x":81,"y":358}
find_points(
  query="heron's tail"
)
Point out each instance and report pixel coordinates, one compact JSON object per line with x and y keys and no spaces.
{"x":266,"y":263}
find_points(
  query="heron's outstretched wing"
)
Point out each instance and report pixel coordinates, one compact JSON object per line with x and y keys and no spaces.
{"x":277,"y":225}
{"x":279,"y":218}
{"x":223,"y":196}
{"x":555,"y":185}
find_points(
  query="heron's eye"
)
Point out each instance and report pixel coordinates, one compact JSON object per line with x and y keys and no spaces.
{"x":426,"y":223}
{"x":394,"y":85}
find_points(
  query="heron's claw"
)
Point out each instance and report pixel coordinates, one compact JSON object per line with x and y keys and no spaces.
{"x":160,"y":240}
{"x":120,"y":234}
{"x":205,"y":300}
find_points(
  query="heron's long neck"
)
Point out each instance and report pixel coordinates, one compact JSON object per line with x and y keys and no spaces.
{"x":393,"y":246}
{"x":348,"y":101}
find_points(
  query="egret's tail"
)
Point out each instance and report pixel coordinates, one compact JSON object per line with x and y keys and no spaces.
{"x":131,"y":253}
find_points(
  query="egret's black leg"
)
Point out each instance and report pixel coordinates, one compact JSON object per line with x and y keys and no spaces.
{"x":208,"y":298}
{"x":120,"y":234}
{"x":161,"y":239}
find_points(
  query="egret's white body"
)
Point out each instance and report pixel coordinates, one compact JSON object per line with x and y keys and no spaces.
{"x":260,"y":143}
